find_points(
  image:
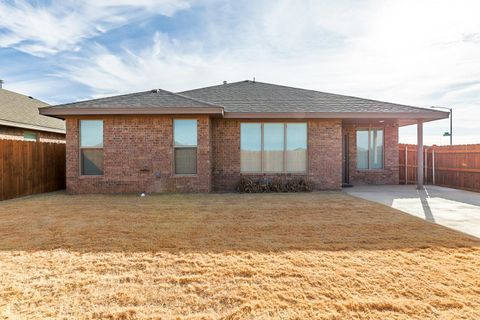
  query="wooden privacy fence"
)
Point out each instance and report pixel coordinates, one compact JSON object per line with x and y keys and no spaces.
{"x":450,"y":166}
{"x":30,"y":167}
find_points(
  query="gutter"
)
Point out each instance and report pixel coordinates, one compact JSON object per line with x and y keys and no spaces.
{"x":59,"y":112}
{"x":62,"y":112}
{"x":339,"y":115}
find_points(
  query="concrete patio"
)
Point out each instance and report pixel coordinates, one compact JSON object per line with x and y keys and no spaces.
{"x":456,"y":209}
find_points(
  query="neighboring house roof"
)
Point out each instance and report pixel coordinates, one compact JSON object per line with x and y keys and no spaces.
{"x":250,"y":99}
{"x":18,"y":110}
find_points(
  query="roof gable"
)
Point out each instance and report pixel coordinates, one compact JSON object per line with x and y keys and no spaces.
{"x":156,"y":98}
{"x":252,"y":96}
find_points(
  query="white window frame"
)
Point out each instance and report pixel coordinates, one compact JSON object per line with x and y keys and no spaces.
{"x":284,"y":171}
{"x":369,"y":129}
{"x":80,"y":148}
{"x":184,"y":147}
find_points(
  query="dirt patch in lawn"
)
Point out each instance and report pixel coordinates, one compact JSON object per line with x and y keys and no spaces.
{"x":318,"y":255}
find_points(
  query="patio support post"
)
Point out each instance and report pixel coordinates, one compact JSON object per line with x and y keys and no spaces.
{"x":419,"y":154}
{"x":425,"y":160}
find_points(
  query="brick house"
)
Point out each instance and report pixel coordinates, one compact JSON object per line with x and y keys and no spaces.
{"x":206,"y":139}
{"x":19,"y":119}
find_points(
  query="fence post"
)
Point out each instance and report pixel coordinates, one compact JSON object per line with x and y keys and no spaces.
{"x":406,"y":167}
{"x":433,"y":166}
{"x":426,"y":166}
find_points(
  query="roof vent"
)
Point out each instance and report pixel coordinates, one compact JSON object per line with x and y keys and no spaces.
{"x":224,"y":82}
{"x":1,"y":84}
{"x":30,"y":97}
{"x":155,"y":90}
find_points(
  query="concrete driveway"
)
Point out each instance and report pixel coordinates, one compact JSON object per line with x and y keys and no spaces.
{"x":456,"y":209}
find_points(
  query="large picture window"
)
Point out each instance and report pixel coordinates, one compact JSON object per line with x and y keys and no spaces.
{"x":185,"y":146}
{"x":369,"y":149}
{"x":91,"y":147}
{"x":273,"y":147}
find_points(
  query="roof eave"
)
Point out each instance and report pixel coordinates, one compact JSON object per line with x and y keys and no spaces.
{"x":30,"y":126}
{"x":426,"y":116}
{"x":59,"y":112}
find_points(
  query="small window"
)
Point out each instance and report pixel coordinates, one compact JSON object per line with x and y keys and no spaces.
{"x":29,"y":136}
{"x":185,"y":146}
{"x":91,"y":147}
{"x":362,"y":149}
{"x":369,"y":149}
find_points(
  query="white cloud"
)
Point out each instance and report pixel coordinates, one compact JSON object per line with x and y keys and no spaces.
{"x":47,"y":29}
{"x":415,"y":52}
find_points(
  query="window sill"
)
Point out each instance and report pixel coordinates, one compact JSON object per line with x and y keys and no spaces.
{"x":186,"y":175}
{"x":371,"y":170}
{"x":87,"y":176}
{"x":273,"y":173}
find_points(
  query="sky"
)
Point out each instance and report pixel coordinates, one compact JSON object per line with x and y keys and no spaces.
{"x":421,"y":53}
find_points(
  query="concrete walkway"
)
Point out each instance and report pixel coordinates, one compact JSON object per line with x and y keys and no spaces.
{"x":456,"y":209}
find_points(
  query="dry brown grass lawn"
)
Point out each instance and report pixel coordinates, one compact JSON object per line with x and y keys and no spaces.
{"x":318,"y":255}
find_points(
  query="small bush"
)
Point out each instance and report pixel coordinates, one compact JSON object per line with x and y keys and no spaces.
{"x":248,"y":185}
{"x":298,"y":185}
{"x":263,"y":185}
{"x":276,"y":185}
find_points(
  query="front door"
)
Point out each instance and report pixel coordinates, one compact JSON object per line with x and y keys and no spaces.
{"x":345,"y":162}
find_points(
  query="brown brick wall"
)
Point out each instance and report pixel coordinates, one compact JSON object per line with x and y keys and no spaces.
{"x":324,"y":154}
{"x":225,"y":154}
{"x":389,"y":174}
{"x":14,"y":133}
{"x":138,"y":154}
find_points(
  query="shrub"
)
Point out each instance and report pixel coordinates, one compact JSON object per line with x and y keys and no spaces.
{"x":276,"y":185}
{"x":248,"y":185}
{"x":298,"y":185}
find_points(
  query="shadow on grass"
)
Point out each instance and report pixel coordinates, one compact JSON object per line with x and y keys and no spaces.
{"x":215,"y":223}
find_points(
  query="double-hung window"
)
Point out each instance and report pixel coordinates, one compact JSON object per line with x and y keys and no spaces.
{"x":91,"y":147}
{"x":185,"y":146}
{"x":369,"y":149}
{"x":273,"y":147}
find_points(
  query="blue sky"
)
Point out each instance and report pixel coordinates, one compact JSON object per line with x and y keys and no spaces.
{"x":421,"y":53}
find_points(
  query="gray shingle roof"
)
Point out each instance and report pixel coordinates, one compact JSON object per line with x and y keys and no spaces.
{"x":250,"y":97}
{"x":18,"y":110}
{"x":155,"y":98}
{"x":246,"y":99}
